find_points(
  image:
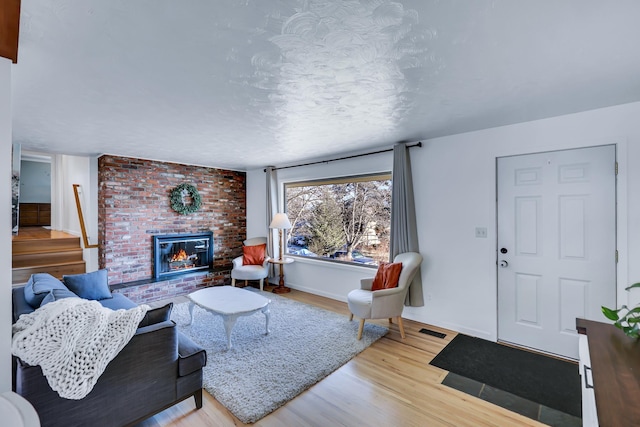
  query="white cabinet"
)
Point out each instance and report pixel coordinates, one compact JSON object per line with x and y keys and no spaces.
{"x":615,"y":375}
{"x":589,"y":413}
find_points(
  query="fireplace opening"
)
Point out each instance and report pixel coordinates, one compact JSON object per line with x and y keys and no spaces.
{"x":182,"y":253}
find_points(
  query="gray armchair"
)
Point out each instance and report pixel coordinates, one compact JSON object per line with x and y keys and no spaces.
{"x":251,"y":272}
{"x":384,"y":303}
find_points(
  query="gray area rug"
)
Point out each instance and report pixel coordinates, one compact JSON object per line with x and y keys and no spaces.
{"x":263,"y":372}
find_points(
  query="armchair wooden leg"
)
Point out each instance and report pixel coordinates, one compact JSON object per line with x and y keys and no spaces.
{"x":261,"y":284}
{"x":350,"y":317}
{"x":233,"y":282}
{"x":401,"y":326}
{"x":360,"y":328}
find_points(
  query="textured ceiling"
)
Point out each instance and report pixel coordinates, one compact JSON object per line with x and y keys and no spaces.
{"x":244,"y":84}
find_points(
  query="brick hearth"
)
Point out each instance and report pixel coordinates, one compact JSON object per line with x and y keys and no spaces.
{"x":133,"y":205}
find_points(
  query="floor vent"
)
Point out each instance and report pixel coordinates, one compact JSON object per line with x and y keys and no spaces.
{"x":434,"y":333}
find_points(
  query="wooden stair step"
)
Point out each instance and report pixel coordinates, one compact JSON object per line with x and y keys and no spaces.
{"x":46,"y":258}
{"x":44,"y":245}
{"x":22,"y":274}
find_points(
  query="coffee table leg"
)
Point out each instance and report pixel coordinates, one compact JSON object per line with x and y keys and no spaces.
{"x":229,"y":323}
{"x":267,"y":314}
{"x":191,"y":312}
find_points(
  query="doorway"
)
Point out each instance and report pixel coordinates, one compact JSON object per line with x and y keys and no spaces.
{"x":556,"y":245}
{"x":35,"y":190}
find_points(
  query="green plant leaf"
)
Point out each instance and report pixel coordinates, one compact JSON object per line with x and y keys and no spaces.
{"x":610,"y":314}
{"x":627,"y":329}
{"x":632,"y":332}
{"x":635,"y":310}
{"x":624,"y":318}
{"x":635,"y":285}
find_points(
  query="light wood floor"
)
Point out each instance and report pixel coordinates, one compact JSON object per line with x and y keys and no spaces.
{"x":31,"y":233}
{"x":389,"y":384}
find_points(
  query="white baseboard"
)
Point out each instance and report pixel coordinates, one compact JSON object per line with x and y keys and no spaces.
{"x":73,"y":232}
{"x":457,"y":328}
{"x":446,"y":325}
{"x":315,"y":291}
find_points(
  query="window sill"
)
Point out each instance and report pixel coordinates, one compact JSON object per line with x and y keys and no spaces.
{"x":332,"y":263}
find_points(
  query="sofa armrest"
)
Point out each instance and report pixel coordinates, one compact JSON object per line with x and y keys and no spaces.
{"x":19,"y":304}
{"x":387,"y":302}
{"x":141,"y":334}
{"x":237,"y":262}
{"x":191,"y":357}
{"x":266,"y":261}
{"x":366,"y":284}
{"x":155,"y":327}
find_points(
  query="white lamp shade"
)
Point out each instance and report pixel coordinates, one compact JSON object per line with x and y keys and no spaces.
{"x":280,"y":221}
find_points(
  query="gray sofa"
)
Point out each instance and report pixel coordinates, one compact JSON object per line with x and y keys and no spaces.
{"x":158,"y":368}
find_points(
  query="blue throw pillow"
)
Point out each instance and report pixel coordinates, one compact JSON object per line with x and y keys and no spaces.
{"x":94,"y":286}
{"x":57,"y":294}
{"x":38,"y":286}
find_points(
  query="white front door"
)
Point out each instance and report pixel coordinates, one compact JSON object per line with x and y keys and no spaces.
{"x":556,"y":245}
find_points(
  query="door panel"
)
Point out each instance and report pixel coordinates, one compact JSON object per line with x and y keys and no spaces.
{"x":573,"y":302}
{"x":527,"y":225}
{"x":527,"y":292}
{"x":556,"y":221}
{"x":572,"y":221}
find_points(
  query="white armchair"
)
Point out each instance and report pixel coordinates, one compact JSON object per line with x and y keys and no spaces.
{"x":251,"y":272}
{"x":384,"y":303}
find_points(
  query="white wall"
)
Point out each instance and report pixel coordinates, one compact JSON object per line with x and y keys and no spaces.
{"x":455,"y":190}
{"x":35,"y":182}
{"x":5,"y":222}
{"x":257,"y":199}
{"x":66,"y":171}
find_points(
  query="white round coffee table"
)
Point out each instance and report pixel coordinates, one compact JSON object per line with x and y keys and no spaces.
{"x":230,"y":303}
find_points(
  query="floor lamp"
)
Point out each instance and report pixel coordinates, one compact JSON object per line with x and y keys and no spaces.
{"x":280,"y":222}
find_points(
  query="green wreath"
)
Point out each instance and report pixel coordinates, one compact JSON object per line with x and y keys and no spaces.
{"x":178,"y":203}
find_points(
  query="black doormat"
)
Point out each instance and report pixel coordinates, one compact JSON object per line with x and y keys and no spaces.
{"x":545,"y":380}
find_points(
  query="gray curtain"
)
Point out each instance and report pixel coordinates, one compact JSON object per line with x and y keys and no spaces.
{"x":404,"y":231}
{"x":272,"y":209}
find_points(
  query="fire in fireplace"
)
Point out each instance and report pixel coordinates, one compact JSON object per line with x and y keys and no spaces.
{"x":182,"y":253}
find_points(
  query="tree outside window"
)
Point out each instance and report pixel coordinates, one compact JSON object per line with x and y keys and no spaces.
{"x":342,"y":219}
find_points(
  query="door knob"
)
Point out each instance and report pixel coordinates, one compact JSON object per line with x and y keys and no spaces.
{"x":503,"y":263}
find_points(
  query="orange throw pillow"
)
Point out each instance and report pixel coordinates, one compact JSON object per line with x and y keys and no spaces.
{"x":378,"y":280}
{"x":387,"y":276}
{"x":253,"y":255}
{"x":392,"y":275}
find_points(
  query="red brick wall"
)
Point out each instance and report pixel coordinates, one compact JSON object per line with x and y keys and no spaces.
{"x":133,"y":205}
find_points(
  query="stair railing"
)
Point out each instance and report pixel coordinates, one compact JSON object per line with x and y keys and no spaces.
{"x":85,"y":239}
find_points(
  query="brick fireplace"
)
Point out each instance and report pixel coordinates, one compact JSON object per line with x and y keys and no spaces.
{"x":133,"y":206}
{"x":175,"y":254}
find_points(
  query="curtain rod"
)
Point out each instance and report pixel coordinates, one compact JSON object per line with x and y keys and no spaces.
{"x":417,"y":144}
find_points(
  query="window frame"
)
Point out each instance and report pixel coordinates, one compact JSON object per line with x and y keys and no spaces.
{"x":345,"y":179}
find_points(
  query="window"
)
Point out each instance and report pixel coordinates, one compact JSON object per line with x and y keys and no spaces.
{"x":341,"y":219}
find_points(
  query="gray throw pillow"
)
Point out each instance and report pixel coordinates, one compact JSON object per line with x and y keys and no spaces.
{"x":156,"y":315}
{"x":38,"y":286}
{"x":93,"y":286}
{"x":57,"y":294}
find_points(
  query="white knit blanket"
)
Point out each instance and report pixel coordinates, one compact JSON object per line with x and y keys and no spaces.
{"x":73,"y":340}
